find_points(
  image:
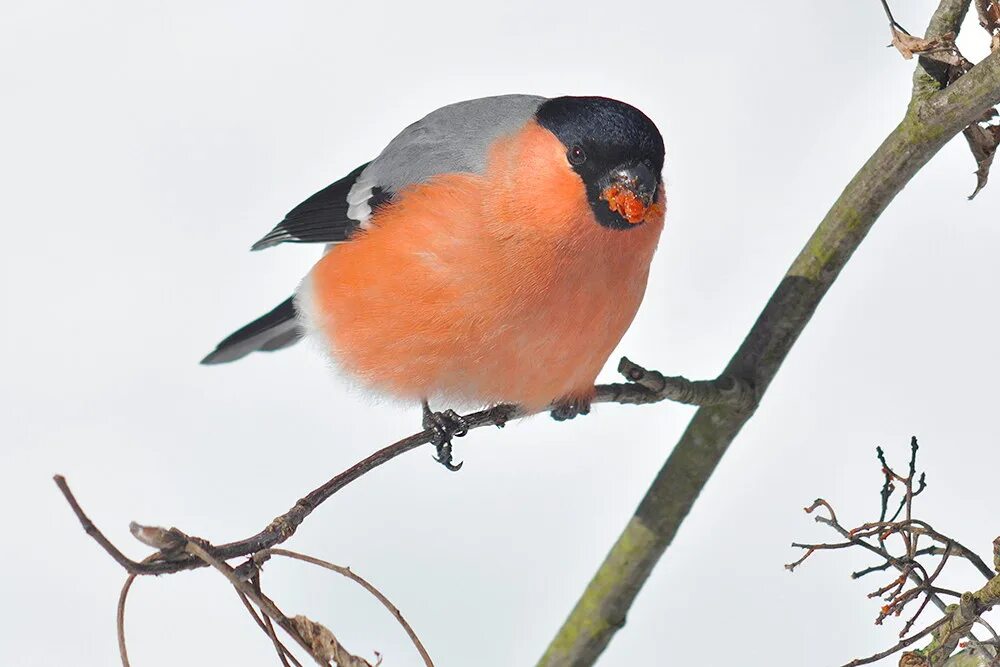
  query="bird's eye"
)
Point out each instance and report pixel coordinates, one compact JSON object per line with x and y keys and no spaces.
{"x":576,"y":155}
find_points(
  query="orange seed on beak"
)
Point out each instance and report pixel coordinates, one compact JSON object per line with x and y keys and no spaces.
{"x":626,"y":203}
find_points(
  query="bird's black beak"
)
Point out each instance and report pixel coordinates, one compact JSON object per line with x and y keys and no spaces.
{"x":630,"y":191}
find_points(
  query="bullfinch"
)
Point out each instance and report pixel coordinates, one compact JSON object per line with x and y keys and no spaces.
{"x":494,"y":252}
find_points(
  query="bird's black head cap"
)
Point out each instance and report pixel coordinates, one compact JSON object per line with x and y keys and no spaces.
{"x":610,"y":144}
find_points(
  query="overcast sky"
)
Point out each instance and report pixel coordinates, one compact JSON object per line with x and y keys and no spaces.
{"x":145,"y":147}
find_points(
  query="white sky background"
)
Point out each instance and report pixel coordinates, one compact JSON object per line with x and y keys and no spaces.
{"x":147,"y":145}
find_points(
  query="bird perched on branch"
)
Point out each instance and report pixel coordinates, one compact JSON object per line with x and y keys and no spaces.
{"x":494,"y":252}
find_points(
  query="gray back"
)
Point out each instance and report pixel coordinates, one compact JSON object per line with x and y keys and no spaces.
{"x":454,"y":138}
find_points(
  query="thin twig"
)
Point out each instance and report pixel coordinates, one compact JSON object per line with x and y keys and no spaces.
{"x":959,"y":618}
{"x":899,"y":646}
{"x":340,"y":655}
{"x":932,"y":550}
{"x":927,"y":598}
{"x":953,"y":544}
{"x":268,"y":628}
{"x":347,"y":572}
{"x":892,"y":21}
{"x":120,"y":614}
{"x":644,"y":387}
{"x":268,"y":609}
{"x":130,"y":566}
{"x":120,"y":619}
{"x":268,"y":625}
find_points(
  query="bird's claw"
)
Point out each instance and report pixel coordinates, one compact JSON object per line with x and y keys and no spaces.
{"x":445,"y":426}
{"x":569,"y":409}
{"x":443,"y":457}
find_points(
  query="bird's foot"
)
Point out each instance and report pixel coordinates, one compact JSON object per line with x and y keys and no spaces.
{"x":570,"y":408}
{"x":445,"y":425}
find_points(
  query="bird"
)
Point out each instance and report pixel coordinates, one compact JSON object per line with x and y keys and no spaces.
{"x":495,"y":252}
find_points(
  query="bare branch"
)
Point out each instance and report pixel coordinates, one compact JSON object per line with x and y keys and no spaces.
{"x":92,"y":530}
{"x":932,"y":550}
{"x":958,"y":619}
{"x":892,"y":20}
{"x":268,"y":628}
{"x":120,"y":619}
{"x":346,"y":572}
{"x":322,"y":647}
{"x":951,"y":544}
{"x":899,"y":646}
{"x":644,"y":387}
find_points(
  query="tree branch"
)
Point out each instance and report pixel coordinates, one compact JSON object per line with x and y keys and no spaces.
{"x":644,"y":387}
{"x":931,"y":76}
{"x":903,"y":643}
{"x":929,"y":123}
{"x":306,"y":633}
{"x":960,"y":620}
{"x":346,"y":572}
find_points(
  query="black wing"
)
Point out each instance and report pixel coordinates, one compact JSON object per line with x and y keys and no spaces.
{"x":274,"y":331}
{"x":320,"y":219}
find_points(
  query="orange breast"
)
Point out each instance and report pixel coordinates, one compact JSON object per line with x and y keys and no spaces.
{"x":484,"y":289}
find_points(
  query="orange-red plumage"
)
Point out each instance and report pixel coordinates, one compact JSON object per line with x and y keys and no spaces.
{"x":484,"y":288}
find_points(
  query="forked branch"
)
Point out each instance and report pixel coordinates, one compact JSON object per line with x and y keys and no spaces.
{"x":643,"y":387}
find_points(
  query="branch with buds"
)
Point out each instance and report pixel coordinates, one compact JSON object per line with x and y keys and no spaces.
{"x":916,"y":585}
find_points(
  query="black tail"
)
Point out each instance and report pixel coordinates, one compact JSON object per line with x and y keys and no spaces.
{"x":273,"y":331}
